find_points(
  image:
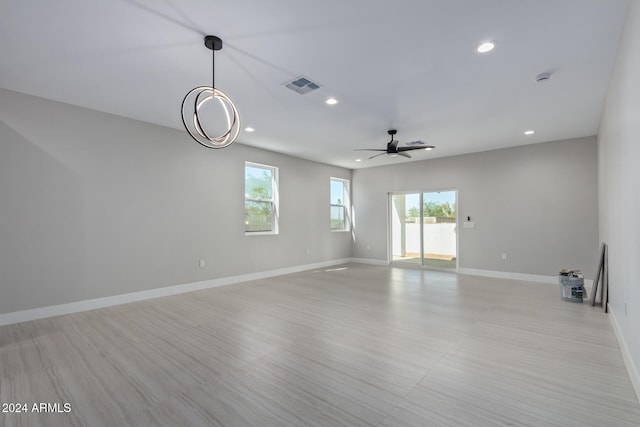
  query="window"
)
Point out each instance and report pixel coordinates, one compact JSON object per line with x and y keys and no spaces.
{"x":260,"y":199}
{"x":339,"y":204}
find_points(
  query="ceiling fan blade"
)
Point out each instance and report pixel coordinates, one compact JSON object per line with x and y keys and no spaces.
{"x":393,"y":149}
{"x":421,"y":147}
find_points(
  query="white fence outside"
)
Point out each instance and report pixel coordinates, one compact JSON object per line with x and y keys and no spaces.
{"x":438,"y":239}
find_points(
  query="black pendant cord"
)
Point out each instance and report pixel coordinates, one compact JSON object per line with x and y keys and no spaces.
{"x":213,"y":69}
{"x":214,"y":43}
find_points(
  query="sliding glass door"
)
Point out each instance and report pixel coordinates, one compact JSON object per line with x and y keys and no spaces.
{"x":439,"y":237}
{"x":423,"y":229}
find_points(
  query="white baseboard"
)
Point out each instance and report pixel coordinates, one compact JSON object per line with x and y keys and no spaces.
{"x":370,"y":261}
{"x":486,"y":273}
{"x":516,"y":276}
{"x":76,"y":307}
{"x":632,"y":369}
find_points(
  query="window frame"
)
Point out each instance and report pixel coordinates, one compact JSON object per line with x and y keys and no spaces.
{"x":274,"y":200}
{"x":345,"y":205}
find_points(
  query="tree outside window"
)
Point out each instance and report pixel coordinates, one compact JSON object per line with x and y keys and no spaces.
{"x":260,"y":203}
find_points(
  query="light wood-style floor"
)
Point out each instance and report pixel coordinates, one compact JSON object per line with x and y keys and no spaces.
{"x":359,"y":345}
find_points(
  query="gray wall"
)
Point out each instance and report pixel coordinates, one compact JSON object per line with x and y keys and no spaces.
{"x":537,"y":203}
{"x":94,"y":205}
{"x":619,"y":181}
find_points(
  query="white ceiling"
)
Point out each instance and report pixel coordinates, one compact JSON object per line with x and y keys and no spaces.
{"x":405,"y":64}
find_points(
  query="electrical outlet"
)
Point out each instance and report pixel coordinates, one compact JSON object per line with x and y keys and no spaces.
{"x":308,"y":251}
{"x":202,"y":263}
{"x":368,"y":247}
{"x":626,"y":310}
{"x":504,"y":256}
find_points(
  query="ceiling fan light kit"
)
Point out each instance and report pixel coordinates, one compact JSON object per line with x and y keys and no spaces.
{"x":393,"y":150}
{"x":197,"y":97}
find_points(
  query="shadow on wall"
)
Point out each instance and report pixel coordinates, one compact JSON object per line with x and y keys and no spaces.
{"x":42,"y":255}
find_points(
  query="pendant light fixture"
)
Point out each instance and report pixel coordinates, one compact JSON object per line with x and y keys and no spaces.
{"x":196,"y":98}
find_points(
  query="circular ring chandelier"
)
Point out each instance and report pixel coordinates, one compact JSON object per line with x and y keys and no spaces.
{"x":197,"y":97}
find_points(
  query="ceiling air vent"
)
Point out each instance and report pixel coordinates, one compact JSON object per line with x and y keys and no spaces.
{"x":302,"y":85}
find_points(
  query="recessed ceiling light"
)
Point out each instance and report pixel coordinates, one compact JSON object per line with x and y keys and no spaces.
{"x":428,"y":149}
{"x":486,"y":47}
{"x":529,"y":132}
{"x":358,"y":160}
{"x":331,"y":101}
{"x":249,"y":129}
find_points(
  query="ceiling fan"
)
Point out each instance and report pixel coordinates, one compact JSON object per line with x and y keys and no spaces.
{"x":393,"y":150}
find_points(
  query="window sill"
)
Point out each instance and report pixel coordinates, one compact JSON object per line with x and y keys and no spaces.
{"x":260,"y":233}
